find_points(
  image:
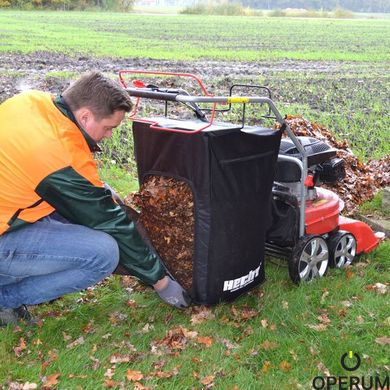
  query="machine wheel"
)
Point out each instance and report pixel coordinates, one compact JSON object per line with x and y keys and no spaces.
{"x":309,"y":259}
{"x":342,"y":249}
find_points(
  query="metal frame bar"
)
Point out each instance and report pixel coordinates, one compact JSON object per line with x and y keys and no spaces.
{"x":207,"y":98}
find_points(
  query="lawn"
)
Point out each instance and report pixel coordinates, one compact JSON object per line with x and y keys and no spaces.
{"x":279,"y":336}
{"x":182,"y":37}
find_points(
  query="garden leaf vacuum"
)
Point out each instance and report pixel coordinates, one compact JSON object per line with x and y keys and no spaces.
{"x":249,"y":189}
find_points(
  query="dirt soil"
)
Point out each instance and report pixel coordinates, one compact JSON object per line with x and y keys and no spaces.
{"x":29,"y":71}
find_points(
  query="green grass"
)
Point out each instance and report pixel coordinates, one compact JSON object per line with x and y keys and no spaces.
{"x":351,"y":99}
{"x":244,"y":352}
{"x":374,"y":206}
{"x":195,"y":37}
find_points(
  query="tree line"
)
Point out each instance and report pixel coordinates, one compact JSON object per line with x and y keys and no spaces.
{"x":326,"y":5}
{"x":69,"y":5}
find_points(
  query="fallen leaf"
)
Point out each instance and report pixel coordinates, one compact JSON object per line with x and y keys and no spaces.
{"x":162,"y":374}
{"x":37,"y":342}
{"x":147,"y":327}
{"x":269,"y":345}
{"x":20,"y":347}
{"x":384,"y":340}
{"x":140,"y":386}
{"x":116,"y":358}
{"x":285,"y":366}
{"x":349,"y":273}
{"x":319,"y":327}
{"x":66,"y":336}
{"x":96,"y":363}
{"x":207,"y":341}
{"x":248,"y":312}
{"x":294,"y":355}
{"x":75,"y":343}
{"x":322,"y":368}
{"x":189,"y":333}
{"x":324,"y":296}
{"x":29,"y":386}
{"x":134,"y":375}
{"x":379,"y":288}
{"x":131,"y":303}
{"x":110,"y":372}
{"x":51,"y":380}
{"x":110,"y":383}
{"x":88,"y":328}
{"x":324,"y":319}
{"x":360,"y":320}
{"x":266,"y":366}
{"x":208,"y":380}
{"x":228,"y":344}
{"x":77,"y":376}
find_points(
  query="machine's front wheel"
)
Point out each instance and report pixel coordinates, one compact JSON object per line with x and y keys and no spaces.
{"x":342,"y":249}
{"x":309,"y":259}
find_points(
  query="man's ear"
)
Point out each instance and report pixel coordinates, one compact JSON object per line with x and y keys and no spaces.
{"x":83,"y":116}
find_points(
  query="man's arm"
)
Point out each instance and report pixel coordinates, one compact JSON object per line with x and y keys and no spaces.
{"x":79,"y":201}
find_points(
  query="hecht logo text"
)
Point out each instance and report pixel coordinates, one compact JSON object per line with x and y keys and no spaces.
{"x":236,"y":284}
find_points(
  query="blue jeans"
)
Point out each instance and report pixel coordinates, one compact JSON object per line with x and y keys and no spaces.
{"x":50,"y":258}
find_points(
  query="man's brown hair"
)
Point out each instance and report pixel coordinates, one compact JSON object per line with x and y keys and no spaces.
{"x":100,"y":94}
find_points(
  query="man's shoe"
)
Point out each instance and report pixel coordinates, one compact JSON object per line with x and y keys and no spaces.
{"x":12,"y":316}
{"x":23,"y":314}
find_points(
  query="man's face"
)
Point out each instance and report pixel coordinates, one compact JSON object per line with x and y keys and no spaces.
{"x":99,"y":129}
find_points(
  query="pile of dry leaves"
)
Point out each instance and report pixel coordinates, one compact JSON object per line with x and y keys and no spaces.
{"x":167,"y":214}
{"x":362,"y":181}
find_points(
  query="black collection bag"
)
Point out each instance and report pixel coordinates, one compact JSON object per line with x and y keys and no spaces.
{"x":230,"y":172}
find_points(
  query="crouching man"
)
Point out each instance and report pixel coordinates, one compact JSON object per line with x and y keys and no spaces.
{"x":60,"y":229}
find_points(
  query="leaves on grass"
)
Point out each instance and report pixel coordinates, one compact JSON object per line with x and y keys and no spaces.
{"x":201,"y":314}
{"x":20,"y":347}
{"x":269,"y":345}
{"x":323,"y":369}
{"x":21,"y":386}
{"x":50,"y":381}
{"x":384,"y":340}
{"x":243,"y":313}
{"x":319,"y":327}
{"x":285,"y":366}
{"x":264,"y":323}
{"x":134,"y":375}
{"x":116,"y":358}
{"x":266,"y":366}
{"x":88,"y":328}
{"x":207,"y":341}
{"x":349,"y":274}
{"x":208,"y":381}
{"x":379,"y":288}
{"x":76,"y":342}
{"x":175,"y":339}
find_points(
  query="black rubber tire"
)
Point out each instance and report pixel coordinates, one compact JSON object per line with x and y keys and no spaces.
{"x":342,"y":249}
{"x":307,"y":253}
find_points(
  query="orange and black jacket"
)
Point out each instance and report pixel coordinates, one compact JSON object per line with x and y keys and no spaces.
{"x":47,"y":164}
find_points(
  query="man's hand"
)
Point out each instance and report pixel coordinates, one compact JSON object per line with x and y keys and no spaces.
{"x":172,"y":293}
